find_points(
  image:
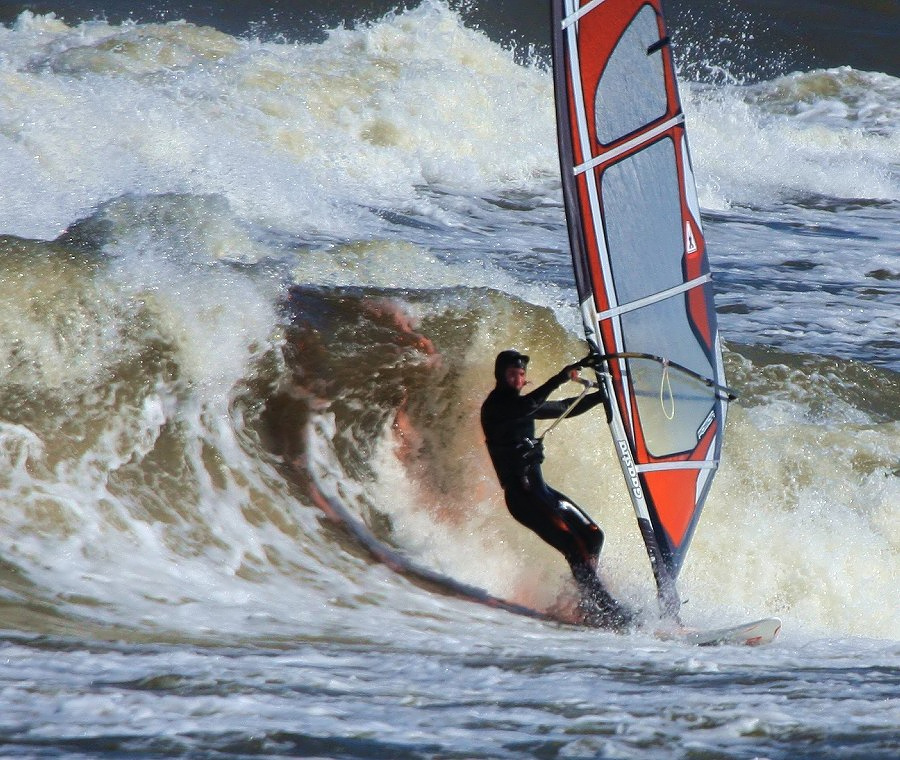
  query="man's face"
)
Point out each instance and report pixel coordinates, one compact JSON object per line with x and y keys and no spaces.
{"x":515,"y":378}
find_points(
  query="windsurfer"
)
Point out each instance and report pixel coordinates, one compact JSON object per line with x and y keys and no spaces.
{"x":507,"y":418}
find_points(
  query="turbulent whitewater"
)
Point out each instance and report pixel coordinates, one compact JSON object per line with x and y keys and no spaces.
{"x":241,"y":275}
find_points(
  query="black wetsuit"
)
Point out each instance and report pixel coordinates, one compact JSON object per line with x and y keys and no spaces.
{"x":507,"y":419}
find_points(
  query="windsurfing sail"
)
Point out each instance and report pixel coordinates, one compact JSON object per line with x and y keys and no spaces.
{"x":640,"y":263}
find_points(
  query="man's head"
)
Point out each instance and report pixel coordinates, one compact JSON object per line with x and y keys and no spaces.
{"x":509,"y":369}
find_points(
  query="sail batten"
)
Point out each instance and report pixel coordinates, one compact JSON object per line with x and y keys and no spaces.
{"x":708,"y":464}
{"x":659,"y":295}
{"x":641,"y":269}
{"x":575,"y":15}
{"x":609,"y":155}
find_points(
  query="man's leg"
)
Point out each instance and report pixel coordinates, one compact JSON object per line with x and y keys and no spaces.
{"x":597,"y":605}
{"x":587,"y":536}
{"x":579,"y":539}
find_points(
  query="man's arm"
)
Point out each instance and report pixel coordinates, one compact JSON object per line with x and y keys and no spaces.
{"x":552,"y":409}
{"x":539,"y":395}
{"x":589,"y":402}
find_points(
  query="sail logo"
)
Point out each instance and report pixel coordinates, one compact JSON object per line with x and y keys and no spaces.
{"x":690,"y":242}
{"x":706,"y":423}
{"x":631,"y":471}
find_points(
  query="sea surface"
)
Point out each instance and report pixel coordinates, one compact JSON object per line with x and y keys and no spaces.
{"x":255,"y":262}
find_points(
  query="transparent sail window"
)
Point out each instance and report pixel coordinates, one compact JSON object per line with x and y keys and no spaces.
{"x":674,"y":408}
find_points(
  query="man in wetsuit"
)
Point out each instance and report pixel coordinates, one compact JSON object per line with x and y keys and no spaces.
{"x":507,"y":418}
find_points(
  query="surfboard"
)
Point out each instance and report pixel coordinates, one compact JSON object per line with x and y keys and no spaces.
{"x":751,"y":634}
{"x":641,"y":268}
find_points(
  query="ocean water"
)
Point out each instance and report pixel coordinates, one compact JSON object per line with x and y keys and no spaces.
{"x":256,"y":265}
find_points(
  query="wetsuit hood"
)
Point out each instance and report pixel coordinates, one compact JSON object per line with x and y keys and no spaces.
{"x":507,"y":359}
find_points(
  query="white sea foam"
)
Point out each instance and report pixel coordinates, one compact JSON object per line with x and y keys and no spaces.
{"x":830,"y":133}
{"x":292,"y":135}
{"x":305,"y":138}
